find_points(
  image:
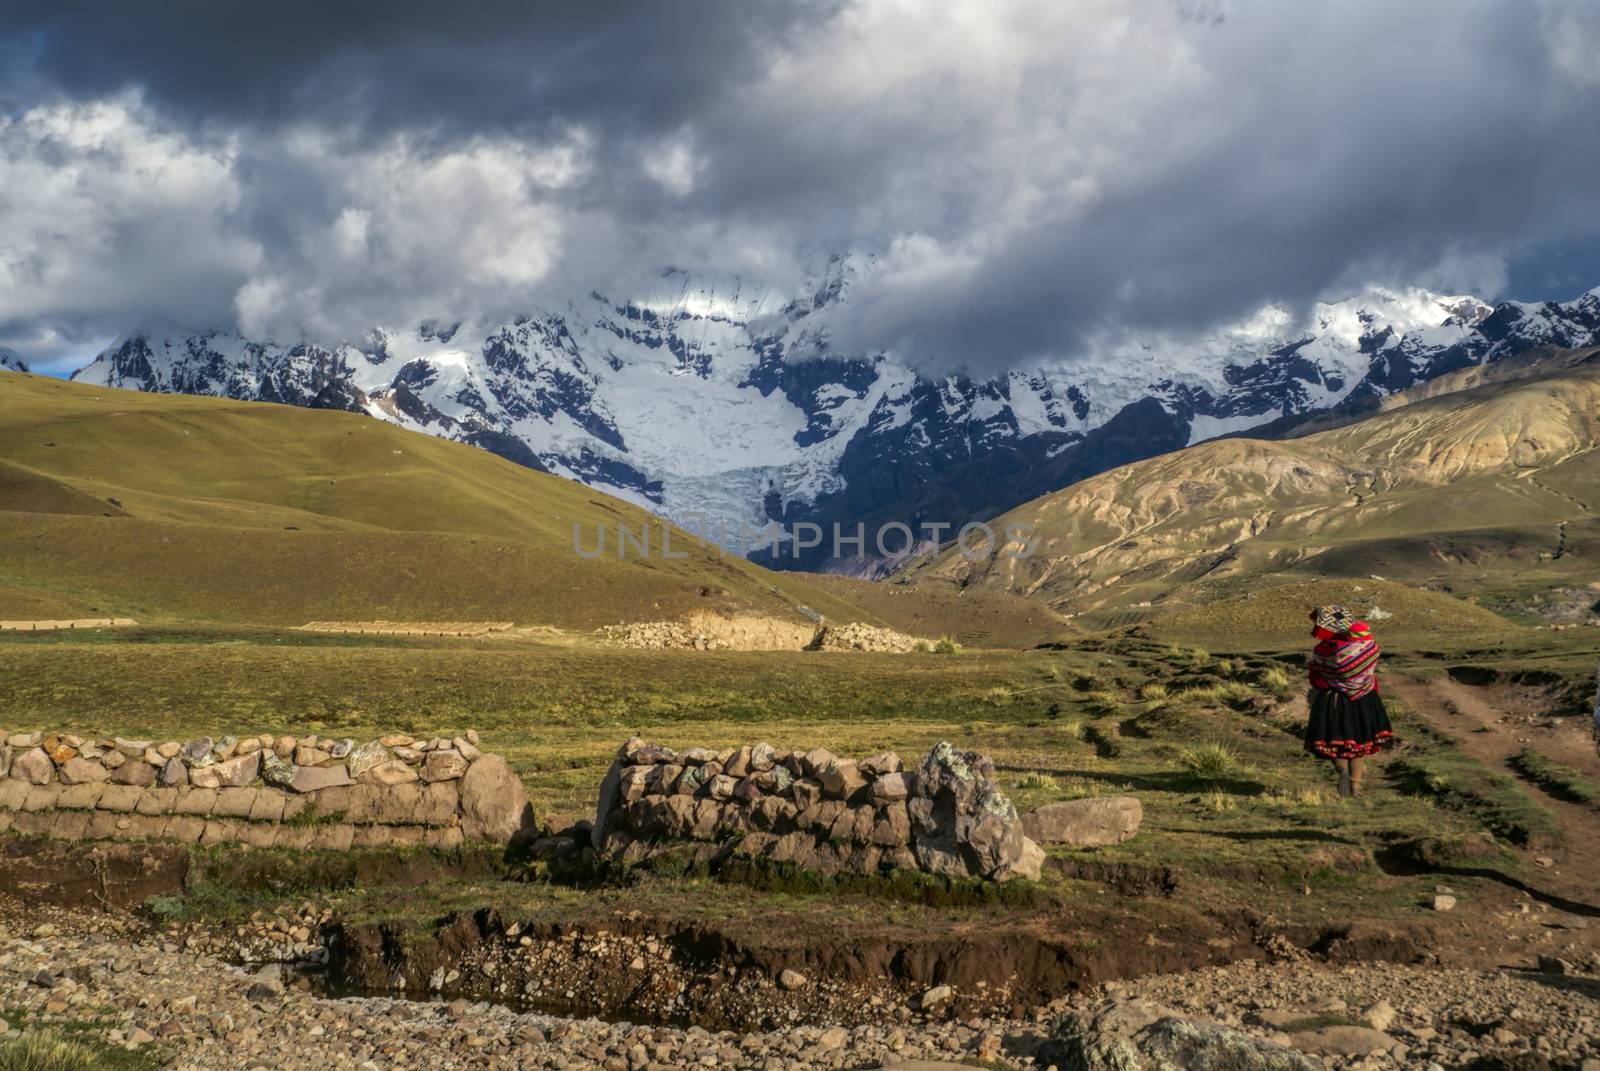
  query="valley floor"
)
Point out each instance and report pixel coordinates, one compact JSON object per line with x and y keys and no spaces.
{"x":1251,"y":896}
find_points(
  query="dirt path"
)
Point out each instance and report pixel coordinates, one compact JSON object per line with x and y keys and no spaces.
{"x":1492,"y":725}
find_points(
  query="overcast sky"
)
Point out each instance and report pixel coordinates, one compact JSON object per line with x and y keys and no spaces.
{"x":1027,"y":171}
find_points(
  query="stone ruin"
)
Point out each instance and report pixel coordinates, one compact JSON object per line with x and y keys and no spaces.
{"x":265,"y":791}
{"x":815,"y":810}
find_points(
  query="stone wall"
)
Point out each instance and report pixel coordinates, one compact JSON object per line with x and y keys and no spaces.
{"x":814,"y":809}
{"x":264,"y":790}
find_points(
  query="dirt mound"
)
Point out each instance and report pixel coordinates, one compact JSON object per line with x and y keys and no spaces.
{"x":750,"y":632}
{"x":859,"y":637}
{"x":72,"y":623}
{"x":713,"y":632}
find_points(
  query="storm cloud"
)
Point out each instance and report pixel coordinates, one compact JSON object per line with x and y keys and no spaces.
{"x":1029,"y":175}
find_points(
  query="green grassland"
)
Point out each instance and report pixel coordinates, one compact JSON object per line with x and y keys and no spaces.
{"x":170,"y":508}
{"x":221,"y":526}
{"x":1107,"y":715}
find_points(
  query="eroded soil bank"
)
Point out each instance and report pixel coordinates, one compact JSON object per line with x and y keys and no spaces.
{"x":761,"y":972}
{"x":754,"y":960}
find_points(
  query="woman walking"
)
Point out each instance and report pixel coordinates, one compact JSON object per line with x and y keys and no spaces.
{"x":1348,"y":721}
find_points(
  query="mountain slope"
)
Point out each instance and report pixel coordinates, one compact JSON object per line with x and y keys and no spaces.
{"x":1487,"y":487}
{"x":720,"y":405}
{"x":199,"y":509}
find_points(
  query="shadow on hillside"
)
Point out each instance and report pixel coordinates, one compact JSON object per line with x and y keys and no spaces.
{"x":1179,"y":781}
{"x":1320,"y":835}
{"x":1393,"y":864}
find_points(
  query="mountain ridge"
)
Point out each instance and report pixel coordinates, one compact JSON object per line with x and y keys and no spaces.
{"x":728,"y":402}
{"x":1487,"y":487}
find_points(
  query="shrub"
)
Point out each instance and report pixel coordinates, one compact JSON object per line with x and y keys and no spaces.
{"x":1211,"y":762}
{"x":1219,"y":802}
{"x":1276,"y":680}
{"x":1153,"y":692}
{"x":1035,"y":779}
{"x":946,"y":646}
{"x":36,"y":1050}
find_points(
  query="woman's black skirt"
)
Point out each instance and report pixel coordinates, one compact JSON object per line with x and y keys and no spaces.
{"x":1341,"y":728}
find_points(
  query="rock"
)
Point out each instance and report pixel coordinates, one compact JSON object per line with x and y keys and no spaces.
{"x":610,"y":795}
{"x":1444,"y":902}
{"x":276,"y":771}
{"x":366,"y":756}
{"x":204,"y":776}
{"x":832,"y":1038}
{"x":1342,"y":1041}
{"x":791,"y":980}
{"x":175,"y":774}
{"x":936,"y":997}
{"x":891,"y":826}
{"x":1136,"y":1035}
{"x":198,"y":752}
{"x":989,"y":833}
{"x":316,"y":778}
{"x":663,"y":778}
{"x":762,"y":758}
{"x":311,"y":756}
{"x":59,"y":748}
{"x":393,"y":772}
{"x":34,"y":767}
{"x":738,"y":765}
{"x":1085,"y":823}
{"x":956,"y":774}
{"x":79,"y":770}
{"x":722,"y":786}
{"x":494,"y":805}
{"x":1379,"y":1016}
{"x":1555,"y":965}
{"x":889,"y":788}
{"x":816,"y":760}
{"x":448,"y":765}
{"x":806,"y":793}
{"x":236,"y":773}
{"x":1030,"y":864}
{"x":130,"y":749}
{"x":841,"y":779}
{"x":135,"y":772}
{"x":885,"y":762}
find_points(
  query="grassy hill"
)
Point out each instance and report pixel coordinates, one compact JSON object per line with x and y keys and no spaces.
{"x":169,"y":508}
{"x":1486,"y":490}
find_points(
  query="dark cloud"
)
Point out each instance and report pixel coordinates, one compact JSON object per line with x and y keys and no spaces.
{"x":1031,"y":173}
{"x":404,"y":64}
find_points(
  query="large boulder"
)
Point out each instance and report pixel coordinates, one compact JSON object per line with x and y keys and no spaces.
{"x":494,"y":805}
{"x":1135,"y":1035}
{"x":1085,"y":823}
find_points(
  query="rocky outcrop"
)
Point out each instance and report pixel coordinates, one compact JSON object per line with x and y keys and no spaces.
{"x":265,"y":791}
{"x":1085,"y":823}
{"x":1136,"y":1035}
{"x":815,"y":810}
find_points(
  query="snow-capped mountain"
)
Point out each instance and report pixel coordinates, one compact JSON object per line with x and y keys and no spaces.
{"x":724,"y":405}
{"x":10,"y":362}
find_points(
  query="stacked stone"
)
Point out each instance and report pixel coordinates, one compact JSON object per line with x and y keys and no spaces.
{"x":284,"y":791}
{"x":815,"y":809}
